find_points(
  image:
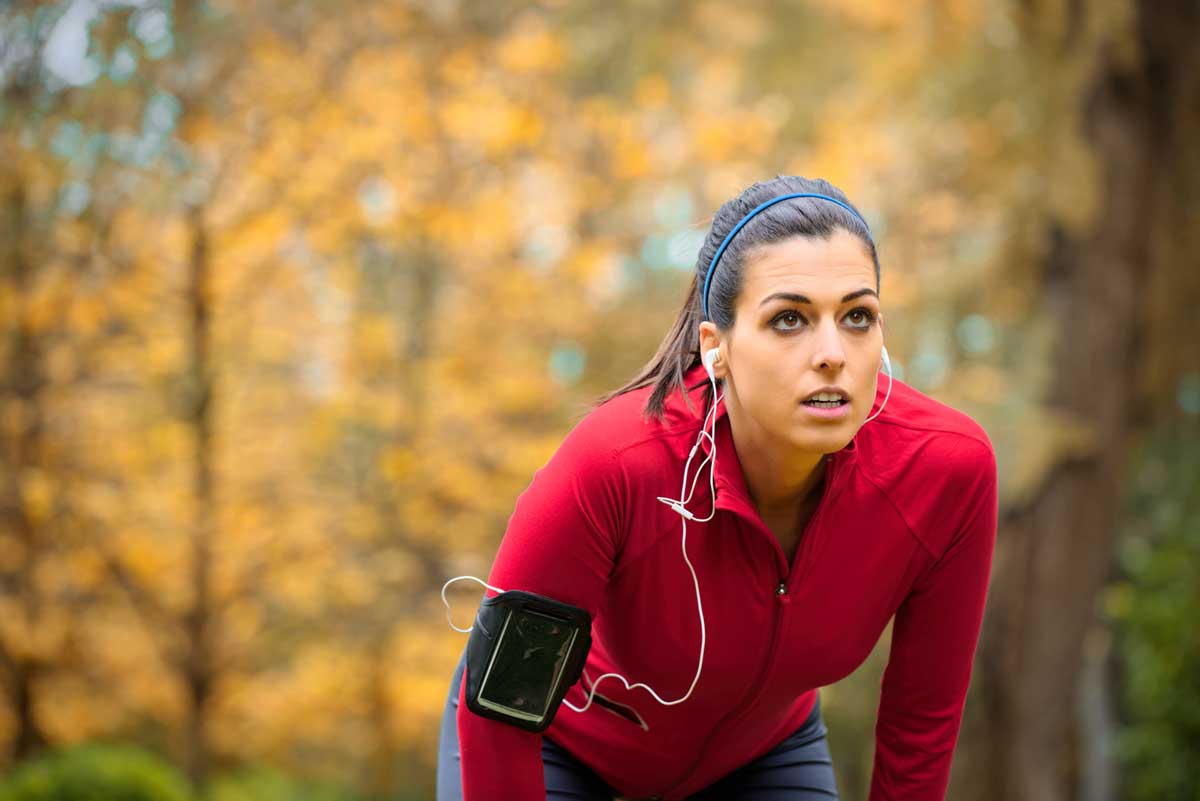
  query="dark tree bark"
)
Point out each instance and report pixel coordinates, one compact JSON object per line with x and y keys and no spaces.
{"x":198,"y":670}
{"x":21,"y":451}
{"x":1123,"y":296}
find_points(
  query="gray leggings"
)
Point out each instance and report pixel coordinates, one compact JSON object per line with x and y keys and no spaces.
{"x":798,"y":769}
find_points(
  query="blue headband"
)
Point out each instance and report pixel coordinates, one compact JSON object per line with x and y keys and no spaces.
{"x":717,"y":257}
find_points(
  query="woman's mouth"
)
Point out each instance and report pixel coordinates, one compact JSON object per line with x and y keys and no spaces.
{"x":827,"y":410}
{"x":825,"y":404}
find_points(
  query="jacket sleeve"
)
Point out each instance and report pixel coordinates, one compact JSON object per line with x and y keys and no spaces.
{"x":561,"y":541}
{"x":934,"y":635}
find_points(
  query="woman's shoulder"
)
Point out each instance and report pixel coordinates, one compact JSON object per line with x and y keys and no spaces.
{"x":915,"y":426}
{"x":926,"y":456}
{"x":909,"y":409}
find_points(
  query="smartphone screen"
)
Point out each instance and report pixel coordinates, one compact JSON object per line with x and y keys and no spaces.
{"x":527,"y":664}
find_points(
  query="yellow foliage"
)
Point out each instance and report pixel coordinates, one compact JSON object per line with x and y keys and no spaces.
{"x":85,"y":569}
{"x":37,"y":495}
{"x":979,"y":384}
{"x":485,"y":117}
{"x":398,"y":464}
{"x":630,"y":157}
{"x":87,"y":313}
{"x":1044,"y":438}
{"x":882,"y":15}
{"x":12,"y":554}
{"x":10,"y":301}
{"x":461,"y":67}
{"x":423,"y":659}
{"x":167,"y":439}
{"x":13,"y":627}
{"x":61,"y":362}
{"x":44,"y":306}
{"x":652,"y":92}
{"x":145,"y":562}
{"x":352,"y":586}
{"x":941,"y":211}
{"x":739,"y":135}
{"x":740,"y":26}
{"x":242,"y":622}
{"x":71,"y":710}
{"x":530,"y":47}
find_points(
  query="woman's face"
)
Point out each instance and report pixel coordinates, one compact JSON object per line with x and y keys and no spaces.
{"x":808,"y":317}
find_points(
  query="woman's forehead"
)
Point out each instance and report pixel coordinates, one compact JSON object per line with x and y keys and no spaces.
{"x":817,"y":268}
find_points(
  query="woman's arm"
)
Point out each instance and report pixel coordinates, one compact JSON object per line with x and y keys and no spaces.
{"x":934,"y":635}
{"x":562,"y":540}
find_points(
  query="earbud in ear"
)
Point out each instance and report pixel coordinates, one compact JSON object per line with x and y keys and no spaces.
{"x":887,"y":363}
{"x":710,"y":356}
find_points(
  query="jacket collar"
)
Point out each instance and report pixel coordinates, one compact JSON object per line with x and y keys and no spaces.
{"x":732,"y":492}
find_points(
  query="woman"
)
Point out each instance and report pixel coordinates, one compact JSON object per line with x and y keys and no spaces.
{"x":830,"y":505}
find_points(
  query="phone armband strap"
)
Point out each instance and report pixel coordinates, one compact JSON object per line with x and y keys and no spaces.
{"x":524,"y":653}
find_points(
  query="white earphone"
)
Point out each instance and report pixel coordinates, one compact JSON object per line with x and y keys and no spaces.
{"x":887,"y":368}
{"x":710,"y":356}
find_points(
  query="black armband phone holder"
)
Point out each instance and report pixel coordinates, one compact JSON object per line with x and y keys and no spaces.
{"x":524,"y":653}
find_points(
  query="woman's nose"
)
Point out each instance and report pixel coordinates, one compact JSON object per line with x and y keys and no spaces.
{"x":829,"y":352}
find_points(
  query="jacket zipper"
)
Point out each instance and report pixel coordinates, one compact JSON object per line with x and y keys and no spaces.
{"x":780,"y":591}
{"x":754,"y":685}
{"x":806,"y":540}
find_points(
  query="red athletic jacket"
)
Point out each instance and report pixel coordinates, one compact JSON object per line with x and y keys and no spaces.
{"x":905,"y":526}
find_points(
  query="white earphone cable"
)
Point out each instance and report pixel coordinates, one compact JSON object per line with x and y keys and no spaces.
{"x":679,"y":505}
{"x":888,"y":369}
{"x":447,"y":603}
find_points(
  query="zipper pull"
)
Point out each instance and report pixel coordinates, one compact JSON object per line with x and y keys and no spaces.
{"x":781,"y":589}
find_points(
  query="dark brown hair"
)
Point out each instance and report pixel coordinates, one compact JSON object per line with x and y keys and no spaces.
{"x":808,"y":217}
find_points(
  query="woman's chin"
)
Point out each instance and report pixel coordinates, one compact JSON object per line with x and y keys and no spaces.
{"x":827,"y":441}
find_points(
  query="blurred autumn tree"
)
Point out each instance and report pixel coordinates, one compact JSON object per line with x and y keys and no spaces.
{"x":293,"y":302}
{"x":1117,"y":276}
{"x":56,"y":248}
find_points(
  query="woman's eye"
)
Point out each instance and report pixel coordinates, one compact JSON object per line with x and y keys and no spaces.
{"x":865,"y":316}
{"x":788,"y":316}
{"x":860,"y":318}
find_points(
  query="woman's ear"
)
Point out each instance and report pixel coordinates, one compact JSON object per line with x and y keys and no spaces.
{"x":709,"y":339}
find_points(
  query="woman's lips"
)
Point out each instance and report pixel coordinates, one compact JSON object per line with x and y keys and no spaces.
{"x":831,"y":413}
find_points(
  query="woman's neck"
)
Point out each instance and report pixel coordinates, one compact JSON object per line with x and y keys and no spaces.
{"x":779,"y":479}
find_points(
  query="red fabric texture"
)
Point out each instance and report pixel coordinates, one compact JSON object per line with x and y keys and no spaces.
{"x":905,"y":527}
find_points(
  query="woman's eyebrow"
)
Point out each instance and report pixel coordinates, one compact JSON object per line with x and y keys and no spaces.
{"x":792,"y":296}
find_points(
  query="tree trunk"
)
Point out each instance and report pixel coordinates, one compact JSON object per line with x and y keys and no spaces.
{"x":198,"y":671}
{"x":382,"y":761}
{"x":21,"y":390}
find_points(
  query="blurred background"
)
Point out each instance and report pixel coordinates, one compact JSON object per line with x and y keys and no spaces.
{"x":296,"y":295}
